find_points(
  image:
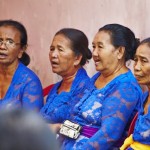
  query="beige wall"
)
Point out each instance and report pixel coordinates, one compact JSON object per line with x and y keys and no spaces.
{"x":43,"y":18}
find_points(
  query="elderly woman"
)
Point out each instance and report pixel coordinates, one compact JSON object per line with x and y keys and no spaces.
{"x":68,"y":54}
{"x":140,"y":139}
{"x":104,"y":112}
{"x":19,"y":86}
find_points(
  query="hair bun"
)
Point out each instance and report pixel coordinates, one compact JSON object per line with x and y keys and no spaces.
{"x":89,"y":54}
{"x":25,"y":59}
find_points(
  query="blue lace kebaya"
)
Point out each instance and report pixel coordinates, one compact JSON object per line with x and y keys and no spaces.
{"x":58,"y":106}
{"x":108,"y":109}
{"x":141,"y":132}
{"x":25,"y":90}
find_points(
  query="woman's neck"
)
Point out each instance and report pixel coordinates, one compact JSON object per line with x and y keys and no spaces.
{"x":6,"y":76}
{"x":104,"y":79}
{"x":115,"y":71}
{"x":8,"y":70}
{"x":67,"y":82}
{"x":69,"y":79}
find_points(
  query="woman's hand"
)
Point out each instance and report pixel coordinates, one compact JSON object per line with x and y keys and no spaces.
{"x":55,"y":127}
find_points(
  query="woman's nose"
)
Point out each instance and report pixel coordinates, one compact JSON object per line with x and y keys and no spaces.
{"x":54,"y":53}
{"x":137,"y":66}
{"x":94,"y":52}
{"x":3,"y":45}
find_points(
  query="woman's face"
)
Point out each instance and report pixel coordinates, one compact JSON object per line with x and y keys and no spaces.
{"x":62,"y":57}
{"x":104,"y":53}
{"x":142,"y":64}
{"x":9,"y":51}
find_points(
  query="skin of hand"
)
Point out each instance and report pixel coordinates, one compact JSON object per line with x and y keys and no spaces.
{"x":55,"y":127}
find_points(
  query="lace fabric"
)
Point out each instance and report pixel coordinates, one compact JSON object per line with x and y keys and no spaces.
{"x":58,"y":106}
{"x":108,"y":109}
{"x":141,"y":132}
{"x":25,"y":90}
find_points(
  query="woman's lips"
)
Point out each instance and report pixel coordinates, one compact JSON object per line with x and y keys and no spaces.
{"x":96,"y":62}
{"x":3,"y":55}
{"x":54,"y":64}
{"x":138,"y":76}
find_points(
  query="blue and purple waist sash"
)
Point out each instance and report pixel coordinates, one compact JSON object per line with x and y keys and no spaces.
{"x":88,"y":131}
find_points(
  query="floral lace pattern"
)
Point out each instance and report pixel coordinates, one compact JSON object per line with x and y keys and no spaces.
{"x":58,"y":106}
{"x":24,"y":91}
{"x":107,"y":109}
{"x":142,"y":127}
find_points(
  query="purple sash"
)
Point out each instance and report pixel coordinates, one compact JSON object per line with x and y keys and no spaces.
{"x":88,"y":131}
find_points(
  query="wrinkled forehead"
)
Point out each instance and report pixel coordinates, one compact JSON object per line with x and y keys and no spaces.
{"x":61,"y":39}
{"x":143,"y":51}
{"x":103,"y":37}
{"x":9,"y":31}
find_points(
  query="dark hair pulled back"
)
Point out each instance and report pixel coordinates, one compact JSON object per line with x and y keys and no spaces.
{"x":145,"y":41}
{"x":25,"y":59}
{"x":79,"y":43}
{"x":122,"y":36}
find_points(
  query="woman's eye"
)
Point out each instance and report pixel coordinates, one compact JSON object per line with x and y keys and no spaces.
{"x":60,"y":49}
{"x":144,"y":61}
{"x":135,"y":59}
{"x":93,"y":46}
{"x":51,"y":49}
{"x":10,"y":41}
{"x":100,"y":46}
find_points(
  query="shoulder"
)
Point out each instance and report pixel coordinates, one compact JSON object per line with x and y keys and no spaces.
{"x":95,"y":76}
{"x":82,"y":73}
{"x":81,"y":77}
{"x":128,"y":79}
{"x":26,"y":73}
{"x":125,"y":77}
{"x":126,"y":85}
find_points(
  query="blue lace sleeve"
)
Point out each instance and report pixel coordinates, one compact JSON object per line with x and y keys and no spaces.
{"x":32,"y":95}
{"x":142,"y":128}
{"x":24,"y":91}
{"x":116,"y":110}
{"x":59,"y":106}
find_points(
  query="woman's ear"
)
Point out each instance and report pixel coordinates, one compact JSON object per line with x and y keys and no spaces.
{"x":78,"y":59}
{"x":22,"y":50}
{"x":121,"y":52}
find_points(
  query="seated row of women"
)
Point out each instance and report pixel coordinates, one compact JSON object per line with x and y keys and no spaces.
{"x":102,"y":106}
